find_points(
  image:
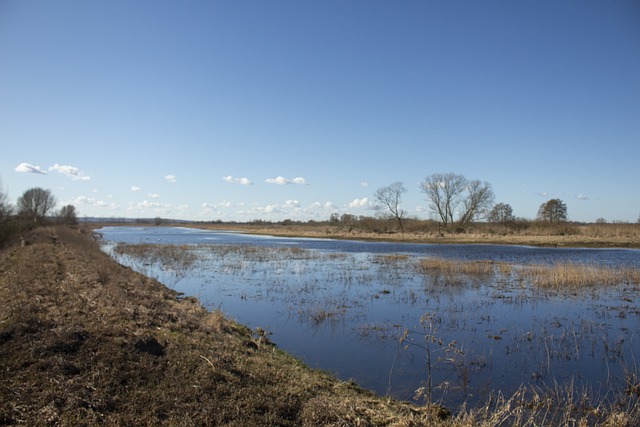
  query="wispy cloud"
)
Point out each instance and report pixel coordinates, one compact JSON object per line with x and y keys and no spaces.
{"x":364,"y":184}
{"x":170,"y":178}
{"x":241,"y":181}
{"x":280,"y":180}
{"x":29,"y":168}
{"x":70,"y":171}
{"x":153,"y":195}
{"x":91,"y":201}
{"x":582,"y":197}
{"x":222,"y":204}
{"x":135,"y":188}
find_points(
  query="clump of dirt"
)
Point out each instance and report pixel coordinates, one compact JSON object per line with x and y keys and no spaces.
{"x":86,"y":341}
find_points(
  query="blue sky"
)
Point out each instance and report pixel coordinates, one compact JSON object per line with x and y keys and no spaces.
{"x":242,"y":110}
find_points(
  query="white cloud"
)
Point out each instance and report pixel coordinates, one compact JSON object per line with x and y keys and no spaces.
{"x":241,"y":181}
{"x":222,"y":204}
{"x":170,"y":178}
{"x":359,"y":203}
{"x":292,"y":203}
{"x":299,"y":180}
{"x":135,"y":188}
{"x":70,"y":171}
{"x":364,"y":184}
{"x":91,"y":201}
{"x":29,"y":168}
{"x":153,"y":196}
{"x":582,"y":197}
{"x":280,"y":180}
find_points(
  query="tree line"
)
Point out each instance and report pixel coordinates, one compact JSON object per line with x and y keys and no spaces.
{"x":458,"y":202}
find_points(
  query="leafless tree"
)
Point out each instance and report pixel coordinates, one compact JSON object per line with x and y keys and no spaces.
{"x":68,"y":215}
{"x":477,"y":203}
{"x":5,"y":206}
{"x":389,"y":198}
{"x":555,"y":210}
{"x":35,"y":203}
{"x":502,"y":213}
{"x":444,"y":192}
{"x":448,"y":193}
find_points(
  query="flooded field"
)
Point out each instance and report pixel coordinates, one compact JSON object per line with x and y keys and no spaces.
{"x":452,"y":324}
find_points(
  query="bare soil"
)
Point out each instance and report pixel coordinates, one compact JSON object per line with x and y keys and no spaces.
{"x":86,"y":341}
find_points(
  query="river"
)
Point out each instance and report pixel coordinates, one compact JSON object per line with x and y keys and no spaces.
{"x":365,"y":311}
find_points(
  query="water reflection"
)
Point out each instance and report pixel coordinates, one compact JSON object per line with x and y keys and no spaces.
{"x":358,"y":309}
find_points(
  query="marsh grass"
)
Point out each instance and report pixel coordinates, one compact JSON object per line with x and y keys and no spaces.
{"x":566,"y":405}
{"x":556,"y":276}
{"x":578,"y":275}
{"x":170,"y":256}
{"x":455,"y":272}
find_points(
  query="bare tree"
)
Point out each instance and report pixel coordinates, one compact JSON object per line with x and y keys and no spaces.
{"x":35,"y":203}
{"x":68,"y":215}
{"x":5,"y":206}
{"x":477,"y":203}
{"x":389,"y":198}
{"x":553,"y":211}
{"x":451,"y":192}
{"x":444,"y":192}
{"x":502,"y":213}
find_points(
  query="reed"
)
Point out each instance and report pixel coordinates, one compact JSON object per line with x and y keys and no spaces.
{"x":452,"y":268}
{"x":559,"y":275}
{"x":578,"y":275}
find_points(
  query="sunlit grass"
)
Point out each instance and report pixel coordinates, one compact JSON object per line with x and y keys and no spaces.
{"x":546,"y":276}
{"x":578,"y":275}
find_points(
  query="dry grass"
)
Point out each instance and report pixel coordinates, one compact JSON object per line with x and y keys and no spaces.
{"x":566,"y":275}
{"x":455,"y":272}
{"x":574,"y":275}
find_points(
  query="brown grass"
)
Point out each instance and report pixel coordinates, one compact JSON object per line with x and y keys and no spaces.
{"x":475,"y":269}
{"x":578,"y":275}
{"x":561,"y":275}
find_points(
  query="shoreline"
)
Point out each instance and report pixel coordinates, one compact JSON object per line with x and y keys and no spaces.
{"x":336,"y":232}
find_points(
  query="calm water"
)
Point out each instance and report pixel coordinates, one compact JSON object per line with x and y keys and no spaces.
{"x":343,"y":306}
